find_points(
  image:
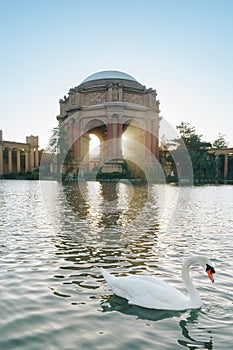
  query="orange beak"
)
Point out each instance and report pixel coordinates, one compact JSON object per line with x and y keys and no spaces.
{"x":211,"y":276}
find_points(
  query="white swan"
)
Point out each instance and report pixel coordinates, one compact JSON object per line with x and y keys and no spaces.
{"x":153,"y":293}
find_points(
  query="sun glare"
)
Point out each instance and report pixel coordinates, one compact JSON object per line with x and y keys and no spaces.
{"x":94,"y":142}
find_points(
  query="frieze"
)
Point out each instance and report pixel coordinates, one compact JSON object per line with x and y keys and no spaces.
{"x":93,"y":98}
{"x":133,"y":98}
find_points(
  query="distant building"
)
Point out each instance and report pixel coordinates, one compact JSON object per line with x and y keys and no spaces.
{"x":18,"y":157}
{"x":224,"y":162}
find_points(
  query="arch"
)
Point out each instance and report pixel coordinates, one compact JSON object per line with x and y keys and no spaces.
{"x":98,"y":128}
{"x":94,"y":125}
{"x":134,"y":122}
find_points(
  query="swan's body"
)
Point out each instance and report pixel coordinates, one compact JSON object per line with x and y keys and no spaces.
{"x":153,"y":293}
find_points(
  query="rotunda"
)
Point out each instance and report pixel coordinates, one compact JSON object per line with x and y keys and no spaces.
{"x":115,"y":107}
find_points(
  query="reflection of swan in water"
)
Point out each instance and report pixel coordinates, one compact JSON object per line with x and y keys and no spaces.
{"x":192,"y":343}
{"x":114,"y":303}
{"x":151,"y":292}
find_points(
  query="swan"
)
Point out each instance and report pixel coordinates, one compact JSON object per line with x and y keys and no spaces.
{"x":153,"y":293}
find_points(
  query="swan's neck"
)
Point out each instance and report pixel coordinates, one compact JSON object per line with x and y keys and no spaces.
{"x":194,"y":295}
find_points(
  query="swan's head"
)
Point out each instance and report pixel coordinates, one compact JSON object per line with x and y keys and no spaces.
{"x":208,"y":266}
{"x":210,"y":271}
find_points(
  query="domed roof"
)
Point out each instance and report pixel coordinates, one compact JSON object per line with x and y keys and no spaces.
{"x":109,"y":74}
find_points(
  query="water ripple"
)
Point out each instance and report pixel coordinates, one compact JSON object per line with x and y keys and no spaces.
{"x":53,"y":295}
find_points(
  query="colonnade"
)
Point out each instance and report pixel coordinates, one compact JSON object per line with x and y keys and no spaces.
{"x":226,"y":153}
{"x":18,"y":157}
{"x":225,"y":165}
{"x":110,"y":131}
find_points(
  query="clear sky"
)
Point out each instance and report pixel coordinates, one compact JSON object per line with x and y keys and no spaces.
{"x":182,"y":48}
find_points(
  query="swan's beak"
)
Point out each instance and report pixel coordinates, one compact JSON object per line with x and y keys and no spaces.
{"x":210,"y":271}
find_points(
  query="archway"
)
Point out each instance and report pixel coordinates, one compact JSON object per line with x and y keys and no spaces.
{"x":93,"y":143}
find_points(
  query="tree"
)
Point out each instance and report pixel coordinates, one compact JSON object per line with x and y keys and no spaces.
{"x":220,"y":142}
{"x":58,"y":145}
{"x":204,"y":167}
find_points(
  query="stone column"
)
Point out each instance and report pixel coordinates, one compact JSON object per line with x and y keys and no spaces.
{"x":76,"y":140}
{"x":216,"y":158}
{"x":120,"y":91}
{"x":226,"y":166}
{"x":70,"y":133}
{"x":18,"y":165}
{"x":109,"y":137}
{"x":85,"y":139}
{"x":155,"y":140}
{"x":31,"y":158}
{"x":114,"y":140}
{"x":109,"y":93}
{"x":9,"y":160}
{"x":119,"y":137}
{"x":36,"y":157}
{"x":1,"y":160}
{"x":26,"y":161}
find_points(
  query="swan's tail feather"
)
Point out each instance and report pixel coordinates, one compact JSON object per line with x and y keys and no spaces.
{"x":107,"y":276}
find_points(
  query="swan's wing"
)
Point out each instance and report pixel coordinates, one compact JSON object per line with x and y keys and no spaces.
{"x":157,"y":295}
{"x":147,"y":292}
{"x":151,"y":279}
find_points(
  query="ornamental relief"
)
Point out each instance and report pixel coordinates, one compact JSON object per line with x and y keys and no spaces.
{"x":153,"y":100}
{"x":132,"y":98}
{"x":93,"y":98}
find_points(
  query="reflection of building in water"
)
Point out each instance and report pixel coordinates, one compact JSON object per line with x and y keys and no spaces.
{"x":107,"y":204}
{"x":16,"y":157}
{"x":110,"y":105}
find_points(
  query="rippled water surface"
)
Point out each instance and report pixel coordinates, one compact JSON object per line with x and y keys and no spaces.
{"x":54,"y":239}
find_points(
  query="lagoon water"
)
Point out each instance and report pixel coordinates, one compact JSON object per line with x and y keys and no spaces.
{"x":54,"y":239}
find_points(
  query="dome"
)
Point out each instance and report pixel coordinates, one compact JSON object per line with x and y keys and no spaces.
{"x":109,"y":74}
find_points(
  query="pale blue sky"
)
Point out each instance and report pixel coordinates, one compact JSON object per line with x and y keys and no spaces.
{"x":182,"y":48}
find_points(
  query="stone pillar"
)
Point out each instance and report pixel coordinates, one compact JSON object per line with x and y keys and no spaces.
{"x":225,"y":166}
{"x":1,"y":160}
{"x":109,"y":137}
{"x":9,"y":160}
{"x":120,"y":91}
{"x":26,"y":161}
{"x":36,"y":157}
{"x":85,"y":140}
{"x":31,"y":158}
{"x":70,"y":133}
{"x":119,"y":137}
{"x":109,"y":98}
{"x":76,"y":140}
{"x":114,"y":140}
{"x":153,"y":139}
{"x":216,"y":158}
{"x":18,"y":165}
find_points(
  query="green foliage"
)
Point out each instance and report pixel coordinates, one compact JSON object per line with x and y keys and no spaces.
{"x":220,"y":142}
{"x":58,"y":145}
{"x":29,"y":175}
{"x":204,"y":166}
{"x":110,"y":176}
